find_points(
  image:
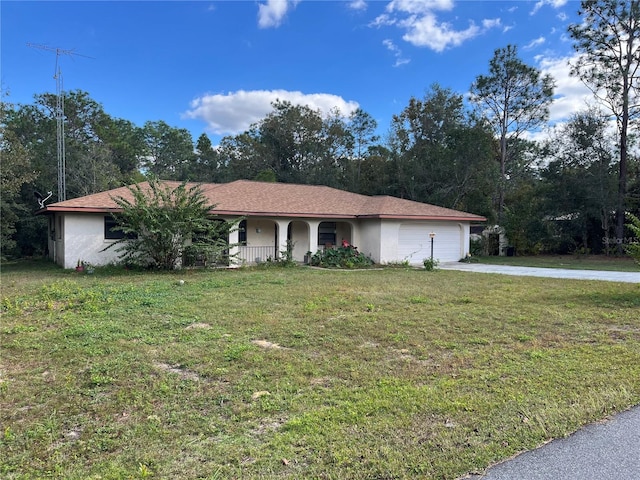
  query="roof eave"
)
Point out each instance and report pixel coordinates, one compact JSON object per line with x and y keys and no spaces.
{"x":66,"y":209}
{"x":424,"y":217}
{"x":53,"y":209}
{"x":282,"y":214}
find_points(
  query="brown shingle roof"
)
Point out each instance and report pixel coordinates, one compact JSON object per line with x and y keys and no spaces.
{"x":248,"y":198}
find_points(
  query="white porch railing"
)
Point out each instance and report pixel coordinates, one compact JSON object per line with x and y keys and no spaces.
{"x":256,"y":254}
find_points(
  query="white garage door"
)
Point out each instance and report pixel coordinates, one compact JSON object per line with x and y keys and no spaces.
{"x":414,"y":243}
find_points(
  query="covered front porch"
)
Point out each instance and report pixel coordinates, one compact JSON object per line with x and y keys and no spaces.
{"x":262,"y":239}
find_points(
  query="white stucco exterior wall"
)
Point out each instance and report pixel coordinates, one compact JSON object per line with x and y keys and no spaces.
{"x":389,"y":241}
{"x":367,"y":238}
{"x":261,"y":232}
{"x":84,"y":240}
{"x":300,"y":237}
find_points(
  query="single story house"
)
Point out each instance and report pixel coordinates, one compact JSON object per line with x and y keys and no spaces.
{"x":309,"y":217}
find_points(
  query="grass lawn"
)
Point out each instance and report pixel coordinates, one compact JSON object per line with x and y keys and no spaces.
{"x":574,"y":262}
{"x":302,"y":373}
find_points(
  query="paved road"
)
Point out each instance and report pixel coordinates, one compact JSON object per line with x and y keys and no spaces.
{"x":628,"y":277}
{"x":608,"y":450}
{"x":603,"y":451}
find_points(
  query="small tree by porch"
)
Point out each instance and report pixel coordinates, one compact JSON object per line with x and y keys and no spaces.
{"x":159,"y":222}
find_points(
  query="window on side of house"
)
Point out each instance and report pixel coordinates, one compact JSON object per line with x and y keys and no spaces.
{"x":242,"y":232}
{"x":109,"y":229}
{"x":327,"y":233}
{"x":52,"y":227}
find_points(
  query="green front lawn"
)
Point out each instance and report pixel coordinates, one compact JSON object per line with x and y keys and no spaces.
{"x":302,"y":373}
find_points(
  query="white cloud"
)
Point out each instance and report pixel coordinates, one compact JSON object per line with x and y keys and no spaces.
{"x":383,"y":20}
{"x":571,"y":95}
{"x":271,"y":13}
{"x":392,"y":47}
{"x":488,"y":23}
{"x":234,"y":112}
{"x":358,"y":5}
{"x":535,"y":43}
{"x":542,"y":3}
{"x":427,"y":32}
{"x":422,"y":27}
{"x":419,"y":6}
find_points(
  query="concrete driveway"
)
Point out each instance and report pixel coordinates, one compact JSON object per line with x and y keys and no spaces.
{"x":628,"y":277}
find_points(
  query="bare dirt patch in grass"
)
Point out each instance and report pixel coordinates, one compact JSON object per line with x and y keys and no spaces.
{"x":177,"y":370}
{"x":268,"y":345}
{"x":198,"y":326}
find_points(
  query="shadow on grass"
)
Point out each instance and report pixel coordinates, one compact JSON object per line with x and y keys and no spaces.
{"x":38,"y":265}
{"x":607,"y":299}
{"x":41,"y":266}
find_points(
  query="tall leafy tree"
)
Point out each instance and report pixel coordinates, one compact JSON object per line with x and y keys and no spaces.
{"x":169,"y":151}
{"x":290,"y":138}
{"x":89,"y":163}
{"x":419,"y":138}
{"x":101,"y":152}
{"x":206,"y":167}
{"x":522,"y":219}
{"x":633,"y":248}
{"x":579,"y":181}
{"x":633,"y":187}
{"x":608,"y":41}
{"x":514,"y":97}
{"x":377,"y":172}
{"x":334,"y":153}
{"x":296,"y":144}
{"x":240,"y":156}
{"x":440,"y":155}
{"x":15,"y":171}
{"x":91,"y":170}
{"x":472,"y":169}
{"x":34,"y":127}
{"x":362,"y":127}
{"x":125,"y":143}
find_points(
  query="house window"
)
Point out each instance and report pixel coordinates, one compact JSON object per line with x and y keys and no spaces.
{"x":327,"y":233}
{"x":52,"y":228}
{"x":242,"y":232}
{"x":59,"y":227}
{"x":109,"y":229}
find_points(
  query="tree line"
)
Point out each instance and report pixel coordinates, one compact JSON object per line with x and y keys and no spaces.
{"x":566,"y":193}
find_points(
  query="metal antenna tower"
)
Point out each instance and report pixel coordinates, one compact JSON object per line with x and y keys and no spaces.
{"x":62,"y":186}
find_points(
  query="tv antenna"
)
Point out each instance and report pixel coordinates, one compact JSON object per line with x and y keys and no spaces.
{"x":57,"y":75}
{"x":41,"y":198}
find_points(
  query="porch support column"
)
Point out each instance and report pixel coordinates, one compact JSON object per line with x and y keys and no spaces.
{"x":313,"y":235}
{"x":234,"y":249}
{"x":283,"y":226}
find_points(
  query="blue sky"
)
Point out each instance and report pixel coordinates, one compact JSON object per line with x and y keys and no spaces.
{"x":215,"y":66}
